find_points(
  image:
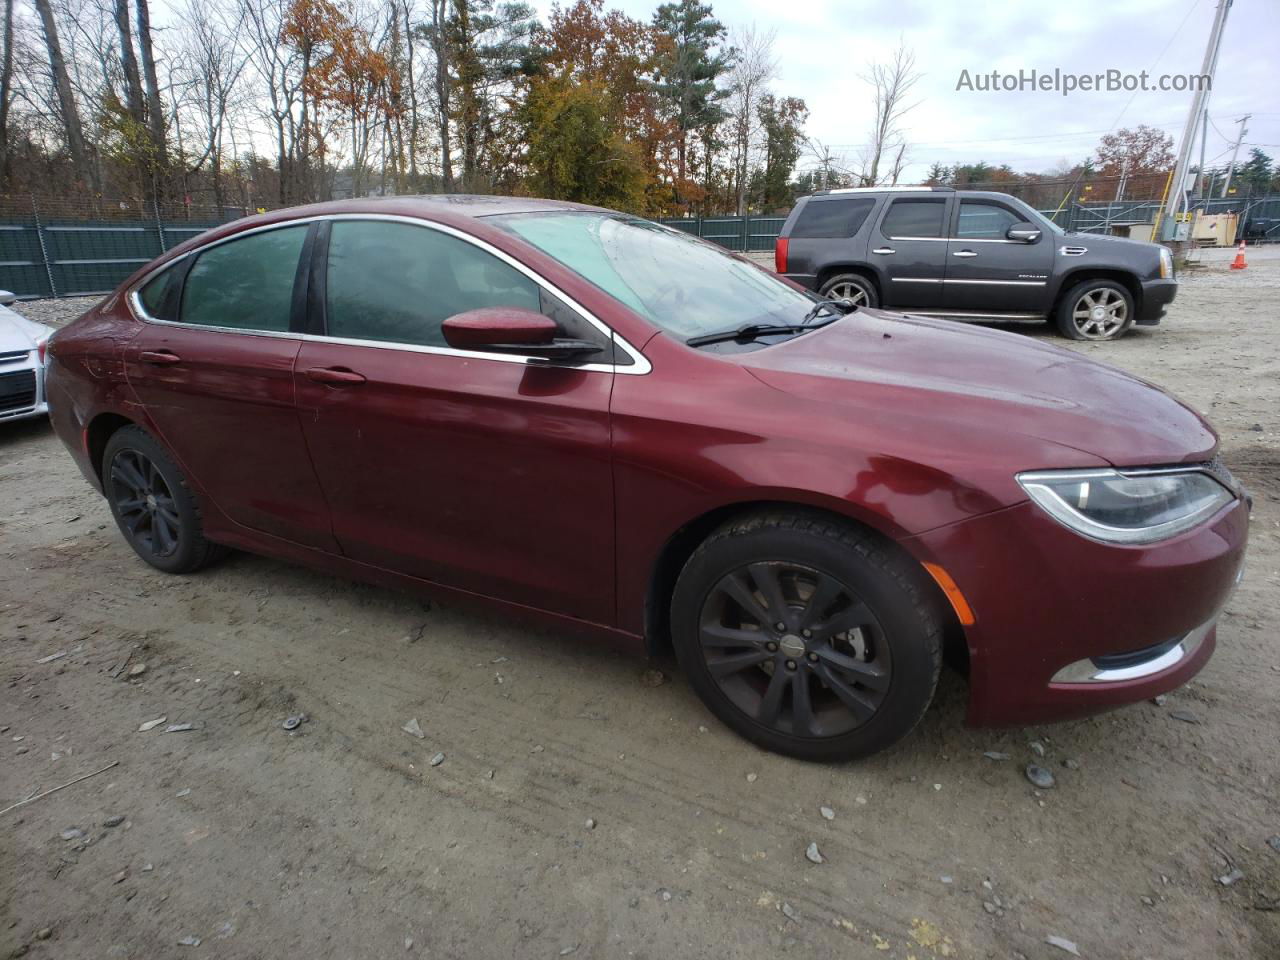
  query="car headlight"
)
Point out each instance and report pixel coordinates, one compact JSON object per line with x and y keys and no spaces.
{"x":1166,"y":264}
{"x":1136,"y":506}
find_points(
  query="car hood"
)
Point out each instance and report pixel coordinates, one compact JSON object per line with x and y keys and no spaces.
{"x":18,"y":333}
{"x":980,"y":381}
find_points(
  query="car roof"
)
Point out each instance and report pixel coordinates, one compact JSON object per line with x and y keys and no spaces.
{"x":444,"y":205}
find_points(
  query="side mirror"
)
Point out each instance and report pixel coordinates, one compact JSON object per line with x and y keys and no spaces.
{"x":7,"y":298}
{"x":1023,"y":232}
{"x":512,"y":330}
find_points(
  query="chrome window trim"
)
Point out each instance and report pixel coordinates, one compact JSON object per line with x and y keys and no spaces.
{"x":921,"y":239}
{"x":639,"y":366}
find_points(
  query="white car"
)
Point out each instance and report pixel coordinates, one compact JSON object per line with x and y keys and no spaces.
{"x":22,"y":347}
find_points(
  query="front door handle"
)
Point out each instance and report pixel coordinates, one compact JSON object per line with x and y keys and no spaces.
{"x":884,"y":250}
{"x":964,"y":253}
{"x":162,"y":358}
{"x":334,"y":375}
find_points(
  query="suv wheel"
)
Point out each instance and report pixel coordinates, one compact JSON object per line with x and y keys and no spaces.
{"x":852,"y":288}
{"x":806,"y":636}
{"x":1096,"y":310}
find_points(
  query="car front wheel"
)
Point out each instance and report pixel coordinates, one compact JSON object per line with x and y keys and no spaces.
{"x":806,"y":635}
{"x":1096,"y":310}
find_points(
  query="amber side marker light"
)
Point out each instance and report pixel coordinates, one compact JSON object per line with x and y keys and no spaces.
{"x":958,"y":603}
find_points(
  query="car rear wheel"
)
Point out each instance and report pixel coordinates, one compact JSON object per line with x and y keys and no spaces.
{"x":1096,"y":310}
{"x":152,"y":505}
{"x":806,"y":635}
{"x":852,"y":288}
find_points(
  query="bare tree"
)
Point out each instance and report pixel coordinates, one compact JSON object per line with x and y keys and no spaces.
{"x":215,"y":65}
{"x":748,"y":82}
{"x":437,"y":31}
{"x":129,"y":62}
{"x":6,"y":91}
{"x":66,"y":100}
{"x":892,"y":83}
{"x":155,"y":109}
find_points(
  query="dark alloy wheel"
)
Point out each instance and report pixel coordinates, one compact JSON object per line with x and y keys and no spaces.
{"x":152,"y":504}
{"x":807,"y":634}
{"x":795,"y":648}
{"x":144,"y":503}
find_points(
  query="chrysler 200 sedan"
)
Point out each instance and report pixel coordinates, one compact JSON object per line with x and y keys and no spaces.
{"x":582,"y":416}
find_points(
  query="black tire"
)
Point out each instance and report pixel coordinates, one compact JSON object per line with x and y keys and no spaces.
{"x":152,"y":504}
{"x":1096,"y":310}
{"x":852,"y":288}
{"x":864,"y":687}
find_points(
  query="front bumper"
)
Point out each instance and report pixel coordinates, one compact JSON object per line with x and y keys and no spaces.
{"x":1156,"y":297}
{"x":1066,"y":627}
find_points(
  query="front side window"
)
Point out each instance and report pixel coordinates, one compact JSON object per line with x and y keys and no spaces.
{"x":398,"y":282}
{"x":246,"y":283}
{"x":679,"y":283}
{"x":980,"y":220}
{"x":832,"y":218}
{"x":908,"y":218}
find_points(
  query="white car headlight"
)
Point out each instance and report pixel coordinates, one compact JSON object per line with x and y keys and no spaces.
{"x":1166,"y":264}
{"x":1134,"y":506}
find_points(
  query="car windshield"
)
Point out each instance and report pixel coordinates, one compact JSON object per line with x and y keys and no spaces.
{"x":684,"y":285}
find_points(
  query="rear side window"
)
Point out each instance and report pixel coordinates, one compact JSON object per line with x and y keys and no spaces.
{"x":909,"y":218}
{"x":245,"y":284}
{"x":832,"y":218}
{"x":160,"y":296}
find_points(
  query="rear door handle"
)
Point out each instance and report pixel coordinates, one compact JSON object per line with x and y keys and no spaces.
{"x":964,"y":253}
{"x":334,"y":375}
{"x":163,"y":358}
{"x":884,"y":250}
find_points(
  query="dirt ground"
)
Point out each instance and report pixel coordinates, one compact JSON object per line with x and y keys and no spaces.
{"x":342,"y":840}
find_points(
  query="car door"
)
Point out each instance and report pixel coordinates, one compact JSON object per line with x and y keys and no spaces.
{"x":213,"y":368}
{"x":911,"y":250}
{"x":988,"y":271}
{"x":479,"y":471}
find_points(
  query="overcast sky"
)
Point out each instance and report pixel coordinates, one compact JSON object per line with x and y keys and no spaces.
{"x":823,"y":45}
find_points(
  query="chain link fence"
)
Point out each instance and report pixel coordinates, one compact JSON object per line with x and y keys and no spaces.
{"x":76,"y":247}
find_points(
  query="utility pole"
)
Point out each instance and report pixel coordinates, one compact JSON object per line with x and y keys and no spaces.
{"x":1198,"y":104}
{"x":1124,"y":174}
{"x":1204,"y":136}
{"x":1231,"y":168}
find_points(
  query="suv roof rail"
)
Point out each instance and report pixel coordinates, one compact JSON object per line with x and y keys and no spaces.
{"x":918,"y":189}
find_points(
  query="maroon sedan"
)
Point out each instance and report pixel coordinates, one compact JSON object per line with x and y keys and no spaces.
{"x":581,"y":415}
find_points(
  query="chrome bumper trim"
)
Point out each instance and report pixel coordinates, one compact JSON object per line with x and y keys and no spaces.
{"x":1086,"y":671}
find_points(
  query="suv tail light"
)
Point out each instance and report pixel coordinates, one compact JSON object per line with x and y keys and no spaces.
{"x":780,"y":255}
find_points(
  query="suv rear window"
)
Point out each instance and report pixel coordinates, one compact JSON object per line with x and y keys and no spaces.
{"x":832,"y":218}
{"x":914,"y":218}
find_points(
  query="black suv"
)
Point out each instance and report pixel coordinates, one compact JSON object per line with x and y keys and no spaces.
{"x":971,"y":255}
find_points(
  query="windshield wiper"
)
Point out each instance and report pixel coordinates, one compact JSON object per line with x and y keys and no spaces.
{"x":753,"y":330}
{"x":820,"y":305}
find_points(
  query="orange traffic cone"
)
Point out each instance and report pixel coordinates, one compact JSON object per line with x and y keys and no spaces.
{"x":1238,"y":263}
